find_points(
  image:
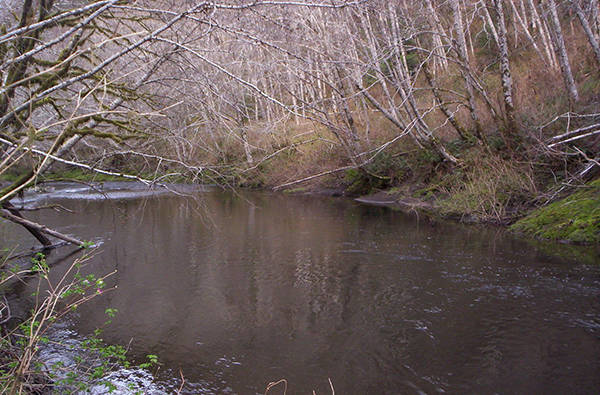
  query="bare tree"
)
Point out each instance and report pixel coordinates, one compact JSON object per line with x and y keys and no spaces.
{"x":507,"y":82}
{"x":561,"y":52}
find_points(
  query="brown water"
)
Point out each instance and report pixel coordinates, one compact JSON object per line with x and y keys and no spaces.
{"x":241,"y":290}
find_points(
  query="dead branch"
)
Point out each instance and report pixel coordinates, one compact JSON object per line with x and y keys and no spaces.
{"x":40,"y":228}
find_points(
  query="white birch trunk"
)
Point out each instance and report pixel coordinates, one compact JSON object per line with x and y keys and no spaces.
{"x":588,"y":30}
{"x":463,"y":58}
{"x":440,"y":54}
{"x":537,"y":23}
{"x":561,"y":50}
{"x":507,"y":83}
{"x":523,"y":22}
{"x":489,"y":22}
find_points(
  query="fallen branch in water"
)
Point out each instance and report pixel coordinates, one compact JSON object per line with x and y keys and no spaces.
{"x":40,"y":228}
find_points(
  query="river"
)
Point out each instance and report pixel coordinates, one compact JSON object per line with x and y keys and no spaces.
{"x":241,"y":289}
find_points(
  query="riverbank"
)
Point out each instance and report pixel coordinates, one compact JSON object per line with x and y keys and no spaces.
{"x":526,"y":193}
{"x":485,"y":187}
{"x":490,"y":190}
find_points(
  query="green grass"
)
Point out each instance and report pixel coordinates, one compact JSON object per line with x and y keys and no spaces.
{"x":77,"y":174}
{"x":81,"y":175}
{"x":575,"y":218}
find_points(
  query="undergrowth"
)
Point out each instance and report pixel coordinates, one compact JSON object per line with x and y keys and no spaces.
{"x":21,"y":338}
{"x":487,"y":189}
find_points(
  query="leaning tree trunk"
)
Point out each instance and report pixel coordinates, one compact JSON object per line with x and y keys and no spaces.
{"x":563,"y":58}
{"x":522,"y":20}
{"x":536,"y":23}
{"x":588,"y":30}
{"x":39,"y":231}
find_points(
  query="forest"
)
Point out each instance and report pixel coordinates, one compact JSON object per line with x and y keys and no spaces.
{"x":486,"y":108}
{"x":473,"y":110}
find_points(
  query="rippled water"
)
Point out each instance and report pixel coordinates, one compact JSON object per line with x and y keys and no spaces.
{"x":238,"y":290}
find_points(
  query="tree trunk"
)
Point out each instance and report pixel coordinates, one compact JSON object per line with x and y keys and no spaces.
{"x":461,"y":49}
{"x":561,"y":50}
{"x":507,"y":83}
{"x":462,"y":132}
{"x":588,"y":30}
{"x":595,"y":11}
{"x":536,"y":23}
{"x":523,"y":22}
{"x":490,"y":23}
{"x":436,"y":26}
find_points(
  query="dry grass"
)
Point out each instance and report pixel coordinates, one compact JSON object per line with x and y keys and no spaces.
{"x":490,"y":189}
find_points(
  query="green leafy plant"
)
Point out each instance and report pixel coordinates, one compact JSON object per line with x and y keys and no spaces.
{"x":21,"y":371}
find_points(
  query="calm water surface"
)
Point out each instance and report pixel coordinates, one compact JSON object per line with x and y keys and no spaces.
{"x":238,"y":290}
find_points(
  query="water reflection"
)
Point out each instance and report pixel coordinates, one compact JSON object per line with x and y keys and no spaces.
{"x":242,"y":290}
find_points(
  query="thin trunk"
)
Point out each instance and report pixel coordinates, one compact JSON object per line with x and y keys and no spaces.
{"x":523,"y":22}
{"x":524,"y":11}
{"x":515,"y":30}
{"x":551,"y":46}
{"x":536,"y":23}
{"x":462,"y":132}
{"x":489,"y":22}
{"x":563,"y":58}
{"x":588,"y":30}
{"x":372,"y":44}
{"x":595,"y":11}
{"x":347,"y":114}
{"x":464,"y":67}
{"x":468,"y":29}
{"x":436,"y":26}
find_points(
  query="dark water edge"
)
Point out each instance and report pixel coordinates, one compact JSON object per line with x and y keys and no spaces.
{"x":239,"y":290}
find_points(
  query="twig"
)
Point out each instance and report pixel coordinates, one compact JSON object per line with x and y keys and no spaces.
{"x":314,"y":176}
{"x":3,"y":308}
{"x":275,"y":383}
{"x":182,"y":382}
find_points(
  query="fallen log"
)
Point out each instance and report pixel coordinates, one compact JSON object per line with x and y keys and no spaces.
{"x":37,"y":234}
{"x":5,"y":213}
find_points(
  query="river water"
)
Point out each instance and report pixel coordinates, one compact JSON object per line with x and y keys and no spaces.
{"x":241,"y":289}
